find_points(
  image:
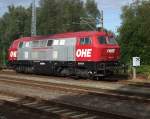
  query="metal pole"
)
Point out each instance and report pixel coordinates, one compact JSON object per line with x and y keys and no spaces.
{"x":33,"y":23}
{"x":102,"y":18}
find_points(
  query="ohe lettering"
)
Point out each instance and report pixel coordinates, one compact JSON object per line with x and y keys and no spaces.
{"x":84,"y":52}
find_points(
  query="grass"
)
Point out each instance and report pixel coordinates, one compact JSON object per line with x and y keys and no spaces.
{"x":144,"y":69}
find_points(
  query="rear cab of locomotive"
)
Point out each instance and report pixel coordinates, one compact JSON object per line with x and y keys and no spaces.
{"x":99,"y":53}
{"x":13,"y":51}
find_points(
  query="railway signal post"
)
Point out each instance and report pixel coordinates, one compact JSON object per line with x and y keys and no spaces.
{"x":136,"y":63}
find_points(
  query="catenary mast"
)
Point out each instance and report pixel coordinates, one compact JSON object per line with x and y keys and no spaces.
{"x":33,"y":21}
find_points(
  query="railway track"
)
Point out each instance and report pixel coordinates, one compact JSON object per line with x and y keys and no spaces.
{"x":75,"y":111}
{"x":57,"y":109}
{"x":124,"y":95}
{"x":119,"y":81}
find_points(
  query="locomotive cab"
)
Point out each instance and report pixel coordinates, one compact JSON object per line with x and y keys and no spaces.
{"x":108,"y":55}
{"x":13,"y":51}
{"x":98,"y":53}
{"x":109,"y":48}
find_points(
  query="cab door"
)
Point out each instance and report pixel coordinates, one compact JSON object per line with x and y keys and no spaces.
{"x":84,"y":49}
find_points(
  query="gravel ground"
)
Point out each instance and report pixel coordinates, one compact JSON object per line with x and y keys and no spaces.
{"x":12,"y":112}
{"x":137,"y":110}
{"x":9,"y":112}
{"x":85,"y":83}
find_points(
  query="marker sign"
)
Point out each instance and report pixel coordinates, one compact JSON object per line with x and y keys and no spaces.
{"x":136,"y":61}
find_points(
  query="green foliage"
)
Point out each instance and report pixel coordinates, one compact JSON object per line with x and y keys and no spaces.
{"x":134,"y":35}
{"x":91,"y":8}
{"x":13,"y":24}
{"x":55,"y":16}
{"x":59,"y":16}
{"x":144,"y":69}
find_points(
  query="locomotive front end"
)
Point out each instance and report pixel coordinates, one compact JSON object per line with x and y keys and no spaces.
{"x":109,"y":55}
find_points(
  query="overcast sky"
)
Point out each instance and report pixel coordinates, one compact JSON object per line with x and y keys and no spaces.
{"x":111,"y":8}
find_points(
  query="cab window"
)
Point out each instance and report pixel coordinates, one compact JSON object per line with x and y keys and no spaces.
{"x":82,"y":41}
{"x":85,"y":41}
{"x":112,"y":41}
{"x":102,"y":40}
{"x":21,"y":45}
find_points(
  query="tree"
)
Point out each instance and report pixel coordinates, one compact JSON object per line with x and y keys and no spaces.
{"x":57,"y":16}
{"x":13,"y":24}
{"x":92,"y":9}
{"x":134,"y":33}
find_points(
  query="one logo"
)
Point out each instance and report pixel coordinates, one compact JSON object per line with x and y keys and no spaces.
{"x":13,"y":54}
{"x":110,"y":50}
{"x":84,"y":53}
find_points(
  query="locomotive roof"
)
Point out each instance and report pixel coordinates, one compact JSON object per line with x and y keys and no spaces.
{"x":61,"y":35}
{"x":16,"y":42}
{"x":69,"y":35}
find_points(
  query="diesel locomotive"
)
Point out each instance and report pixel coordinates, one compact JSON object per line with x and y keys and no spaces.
{"x":86,"y":54}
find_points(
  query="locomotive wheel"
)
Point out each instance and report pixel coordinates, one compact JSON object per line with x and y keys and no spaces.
{"x":97,"y":78}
